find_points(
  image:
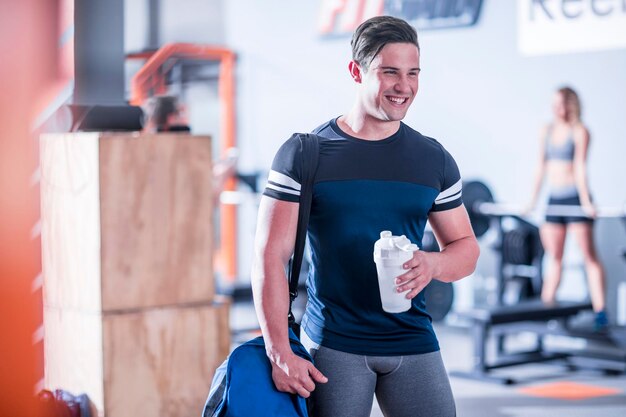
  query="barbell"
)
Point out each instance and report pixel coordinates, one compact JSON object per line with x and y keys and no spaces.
{"x":481,"y":208}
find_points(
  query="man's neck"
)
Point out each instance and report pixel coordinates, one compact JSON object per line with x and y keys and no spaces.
{"x":361,"y":125}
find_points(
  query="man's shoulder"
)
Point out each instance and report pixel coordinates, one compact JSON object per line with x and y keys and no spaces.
{"x":327,"y":130}
{"x":418,"y":139}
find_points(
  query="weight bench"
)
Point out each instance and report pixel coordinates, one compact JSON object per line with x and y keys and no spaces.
{"x":533,"y":316}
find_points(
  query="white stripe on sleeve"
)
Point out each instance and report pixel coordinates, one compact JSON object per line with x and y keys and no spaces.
{"x":454,"y":189}
{"x":281,"y":189}
{"x":451,"y":198}
{"x":282,"y":179}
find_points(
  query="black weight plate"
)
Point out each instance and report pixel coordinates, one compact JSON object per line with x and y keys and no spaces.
{"x":474,"y":193}
{"x":439,"y":297}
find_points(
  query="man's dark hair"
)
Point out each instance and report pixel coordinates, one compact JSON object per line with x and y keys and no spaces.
{"x":373,"y":34}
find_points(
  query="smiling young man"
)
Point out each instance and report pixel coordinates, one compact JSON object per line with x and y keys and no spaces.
{"x":375,"y":173}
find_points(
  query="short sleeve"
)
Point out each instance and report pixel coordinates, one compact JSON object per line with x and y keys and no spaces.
{"x":451,"y":187}
{"x":283,"y":182}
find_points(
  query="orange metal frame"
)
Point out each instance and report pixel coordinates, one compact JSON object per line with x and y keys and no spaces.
{"x":149,"y":80}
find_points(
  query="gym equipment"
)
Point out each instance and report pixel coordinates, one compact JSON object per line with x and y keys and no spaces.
{"x":474,"y":194}
{"x":604,"y":351}
{"x":439,"y":298}
{"x":487,"y":208}
{"x":104,"y":118}
{"x":61,"y":403}
{"x":478,"y":200}
{"x":439,"y":295}
{"x":517,"y":241}
{"x":521,"y":254}
{"x":521,"y":249}
{"x":519,"y":274}
{"x":520,"y":246}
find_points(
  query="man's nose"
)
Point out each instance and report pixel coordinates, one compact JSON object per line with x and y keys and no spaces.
{"x":403,"y":85}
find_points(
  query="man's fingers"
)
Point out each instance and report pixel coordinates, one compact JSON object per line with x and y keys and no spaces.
{"x":295,"y":388}
{"x":411,"y":263}
{"x":301,"y":391}
{"x":407,"y":276}
{"x":416,"y":290}
{"x":317,"y":375}
{"x":421,"y":284}
{"x":301,"y":383}
{"x":411,"y":294}
{"x":416,"y":284}
{"x":307,"y":384}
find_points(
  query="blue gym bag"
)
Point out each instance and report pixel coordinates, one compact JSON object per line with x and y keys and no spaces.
{"x":243,"y":386}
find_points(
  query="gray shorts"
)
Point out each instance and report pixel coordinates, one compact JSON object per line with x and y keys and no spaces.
{"x":405,"y":386}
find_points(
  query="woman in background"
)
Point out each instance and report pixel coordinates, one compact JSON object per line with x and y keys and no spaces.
{"x":563,"y":163}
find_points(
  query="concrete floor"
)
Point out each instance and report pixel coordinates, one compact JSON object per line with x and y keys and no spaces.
{"x":483,"y":399}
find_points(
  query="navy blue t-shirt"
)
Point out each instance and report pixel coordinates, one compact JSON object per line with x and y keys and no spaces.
{"x":362,"y":188}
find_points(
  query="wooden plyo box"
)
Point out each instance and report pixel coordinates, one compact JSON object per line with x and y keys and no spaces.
{"x":126,"y":220}
{"x":127,"y":240}
{"x":155,"y":362}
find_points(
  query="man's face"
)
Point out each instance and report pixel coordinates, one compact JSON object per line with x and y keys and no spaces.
{"x":391,"y":82}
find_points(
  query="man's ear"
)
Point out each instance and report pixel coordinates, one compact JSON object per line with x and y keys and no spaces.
{"x":355,"y":71}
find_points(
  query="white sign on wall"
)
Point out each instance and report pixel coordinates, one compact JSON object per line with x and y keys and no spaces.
{"x":565,"y":26}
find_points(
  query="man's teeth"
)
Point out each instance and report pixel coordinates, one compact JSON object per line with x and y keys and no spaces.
{"x":398,"y":100}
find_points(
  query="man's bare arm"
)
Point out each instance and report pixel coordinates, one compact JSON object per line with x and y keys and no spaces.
{"x":274,"y":243}
{"x":457,"y":258}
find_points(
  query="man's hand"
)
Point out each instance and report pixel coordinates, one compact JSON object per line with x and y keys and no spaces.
{"x":421,"y":270}
{"x":295,"y":375}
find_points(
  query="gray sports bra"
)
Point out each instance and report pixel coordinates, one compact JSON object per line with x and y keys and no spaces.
{"x":561,"y":152}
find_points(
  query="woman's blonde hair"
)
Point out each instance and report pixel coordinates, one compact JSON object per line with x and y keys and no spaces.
{"x":572,"y":103}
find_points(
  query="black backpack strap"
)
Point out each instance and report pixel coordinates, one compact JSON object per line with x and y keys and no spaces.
{"x":310,"y":156}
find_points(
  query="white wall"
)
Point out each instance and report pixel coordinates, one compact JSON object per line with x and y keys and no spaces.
{"x":197,"y":21}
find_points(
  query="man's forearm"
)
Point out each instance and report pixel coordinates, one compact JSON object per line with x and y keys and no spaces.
{"x":271,"y":301}
{"x":457,"y":260}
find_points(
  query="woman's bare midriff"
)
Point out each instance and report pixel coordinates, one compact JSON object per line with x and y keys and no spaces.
{"x":560,"y":173}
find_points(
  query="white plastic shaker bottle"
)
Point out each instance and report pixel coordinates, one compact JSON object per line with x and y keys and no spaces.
{"x":390,"y":253}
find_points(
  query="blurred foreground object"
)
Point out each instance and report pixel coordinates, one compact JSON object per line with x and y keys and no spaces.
{"x":28,"y":44}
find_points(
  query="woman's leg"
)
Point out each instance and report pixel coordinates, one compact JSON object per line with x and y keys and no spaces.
{"x":553,"y":240}
{"x":583,"y":232}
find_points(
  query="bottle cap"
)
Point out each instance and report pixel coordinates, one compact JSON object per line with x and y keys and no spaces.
{"x":401,"y":242}
{"x":389,"y":246}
